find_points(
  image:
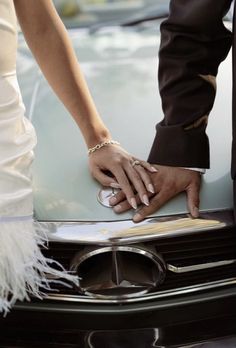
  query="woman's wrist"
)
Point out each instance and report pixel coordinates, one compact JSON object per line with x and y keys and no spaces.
{"x":97,"y":137}
{"x":99,"y":146}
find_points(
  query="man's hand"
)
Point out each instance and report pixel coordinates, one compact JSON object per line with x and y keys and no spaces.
{"x":168,"y":182}
{"x":128,"y":177}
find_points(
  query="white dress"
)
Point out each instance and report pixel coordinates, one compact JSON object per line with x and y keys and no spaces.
{"x":17,"y":136}
{"x":22,"y":265}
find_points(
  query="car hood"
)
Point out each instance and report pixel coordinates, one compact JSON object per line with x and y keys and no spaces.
{"x":120,"y":65}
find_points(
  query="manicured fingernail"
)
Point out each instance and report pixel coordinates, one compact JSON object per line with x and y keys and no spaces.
{"x":151,"y":188}
{"x":115,"y":185}
{"x":133,"y":203}
{"x":113,"y":200}
{"x":145,"y":200}
{"x":137,"y":217}
{"x":117,"y":208}
{"x":154,"y":170}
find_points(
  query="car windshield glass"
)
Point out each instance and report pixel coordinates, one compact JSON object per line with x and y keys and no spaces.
{"x":97,"y":13}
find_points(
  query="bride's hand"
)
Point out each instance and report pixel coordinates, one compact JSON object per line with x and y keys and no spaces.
{"x":126,"y":172}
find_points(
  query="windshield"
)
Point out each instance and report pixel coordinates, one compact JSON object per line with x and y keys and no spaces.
{"x":89,"y":13}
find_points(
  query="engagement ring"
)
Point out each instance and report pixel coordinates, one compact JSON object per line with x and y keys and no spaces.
{"x":135,"y":163}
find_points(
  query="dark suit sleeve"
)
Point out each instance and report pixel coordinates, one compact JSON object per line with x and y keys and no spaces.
{"x":194,"y":41}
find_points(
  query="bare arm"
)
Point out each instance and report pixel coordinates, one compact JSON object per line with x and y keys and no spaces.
{"x":52,"y":48}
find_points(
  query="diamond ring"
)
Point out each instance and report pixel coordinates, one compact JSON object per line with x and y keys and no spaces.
{"x":135,"y":163}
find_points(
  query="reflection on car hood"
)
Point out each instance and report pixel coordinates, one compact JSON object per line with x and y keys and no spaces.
{"x":120,"y":65}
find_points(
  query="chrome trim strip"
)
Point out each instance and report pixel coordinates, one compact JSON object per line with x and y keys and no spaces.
{"x":199,"y":267}
{"x":127,"y":232}
{"x":148,"y":297}
{"x":135,"y":249}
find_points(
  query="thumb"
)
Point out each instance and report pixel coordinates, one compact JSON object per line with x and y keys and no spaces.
{"x":103,"y":178}
{"x":193,"y":200}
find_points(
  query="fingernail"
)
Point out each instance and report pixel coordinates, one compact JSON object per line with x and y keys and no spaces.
{"x":146,"y":200}
{"x":195,"y":212}
{"x":115,"y":185}
{"x":117,"y":208}
{"x":151,"y":188}
{"x":113,"y":200}
{"x":137,"y":217}
{"x":154,"y":170}
{"x":133,"y":203}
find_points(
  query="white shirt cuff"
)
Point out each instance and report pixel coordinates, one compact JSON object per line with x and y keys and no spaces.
{"x":200,"y":170}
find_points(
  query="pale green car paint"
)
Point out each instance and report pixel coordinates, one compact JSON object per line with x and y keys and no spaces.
{"x":120,"y":66}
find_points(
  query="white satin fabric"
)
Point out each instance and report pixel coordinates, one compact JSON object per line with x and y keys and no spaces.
{"x":23,"y":267}
{"x":17,"y":135}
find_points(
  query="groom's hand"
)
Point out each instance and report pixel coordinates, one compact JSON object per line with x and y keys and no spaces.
{"x":168,"y":182}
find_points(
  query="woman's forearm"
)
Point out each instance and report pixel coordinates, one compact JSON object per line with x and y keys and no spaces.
{"x":52,"y":48}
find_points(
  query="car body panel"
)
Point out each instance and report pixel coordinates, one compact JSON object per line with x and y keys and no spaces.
{"x":124,"y":232}
{"x":120,"y":65}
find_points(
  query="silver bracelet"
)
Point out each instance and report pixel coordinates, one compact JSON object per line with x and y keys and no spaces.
{"x":99,"y":146}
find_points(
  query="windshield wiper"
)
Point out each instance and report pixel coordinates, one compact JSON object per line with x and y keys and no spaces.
{"x":149,"y":14}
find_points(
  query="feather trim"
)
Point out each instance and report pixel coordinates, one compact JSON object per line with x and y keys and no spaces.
{"x":23,"y":268}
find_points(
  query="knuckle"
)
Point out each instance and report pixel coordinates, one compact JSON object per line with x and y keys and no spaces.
{"x":154,"y":201}
{"x":118,"y":160}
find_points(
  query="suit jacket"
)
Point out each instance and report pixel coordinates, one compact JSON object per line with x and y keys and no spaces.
{"x":194,"y":41}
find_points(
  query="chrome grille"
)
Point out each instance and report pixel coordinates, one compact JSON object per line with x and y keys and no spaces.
{"x":180,"y":251}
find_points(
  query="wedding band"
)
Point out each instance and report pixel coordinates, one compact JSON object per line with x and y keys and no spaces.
{"x":135,"y":163}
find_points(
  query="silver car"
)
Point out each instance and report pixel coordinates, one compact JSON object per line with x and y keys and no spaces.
{"x":167,"y":270}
